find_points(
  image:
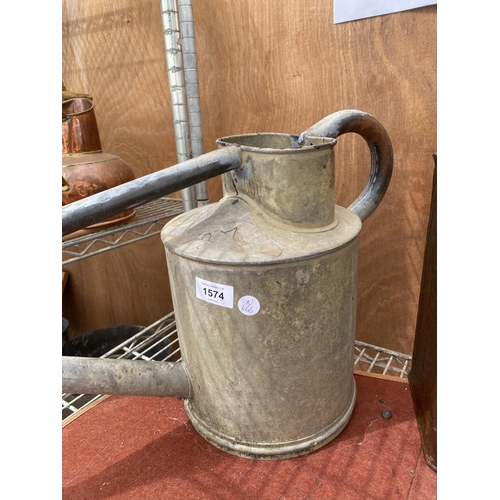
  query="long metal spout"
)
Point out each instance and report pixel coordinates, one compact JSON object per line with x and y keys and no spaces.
{"x":100,"y":206}
{"x":124,"y":377}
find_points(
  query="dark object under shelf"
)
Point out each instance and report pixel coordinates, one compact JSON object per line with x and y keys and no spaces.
{"x":65,"y":325}
{"x":101,"y":342}
{"x":95,"y":344}
{"x":423,"y":374}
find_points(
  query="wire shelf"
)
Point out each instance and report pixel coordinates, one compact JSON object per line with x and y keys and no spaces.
{"x":372,"y":359}
{"x":148,"y":221}
{"x":159,"y":342}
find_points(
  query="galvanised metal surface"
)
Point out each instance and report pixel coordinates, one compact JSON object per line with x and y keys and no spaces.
{"x":264,"y":286}
{"x":133,"y":194}
{"x":270,"y":356}
{"x":142,"y":190}
{"x":293,"y":183}
{"x":367,"y":359}
{"x":124,"y":376}
{"x":264,"y":291}
{"x":379,"y":144}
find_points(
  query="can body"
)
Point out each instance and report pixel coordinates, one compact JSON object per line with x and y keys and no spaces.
{"x":268,"y":342}
{"x":264,"y":287}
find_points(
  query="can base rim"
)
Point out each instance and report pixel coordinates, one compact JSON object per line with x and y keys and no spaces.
{"x":274,"y":450}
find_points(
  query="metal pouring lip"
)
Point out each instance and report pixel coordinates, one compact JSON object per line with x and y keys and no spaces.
{"x":81,"y":104}
{"x":245,"y":142}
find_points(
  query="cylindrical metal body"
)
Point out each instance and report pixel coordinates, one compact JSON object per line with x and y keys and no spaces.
{"x":264,"y":287}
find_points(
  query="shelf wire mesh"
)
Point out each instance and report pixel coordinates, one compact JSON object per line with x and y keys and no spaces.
{"x":372,"y":359}
{"x":148,"y":221}
{"x":159,"y":342}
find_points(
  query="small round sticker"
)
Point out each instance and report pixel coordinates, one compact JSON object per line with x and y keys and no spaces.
{"x":249,"y":305}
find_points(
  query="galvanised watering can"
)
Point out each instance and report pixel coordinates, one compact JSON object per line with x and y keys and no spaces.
{"x":264,"y":287}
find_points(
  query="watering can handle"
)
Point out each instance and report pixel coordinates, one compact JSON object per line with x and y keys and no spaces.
{"x":380,"y":146}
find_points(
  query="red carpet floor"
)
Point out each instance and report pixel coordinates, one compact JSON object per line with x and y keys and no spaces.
{"x":146,"y":448}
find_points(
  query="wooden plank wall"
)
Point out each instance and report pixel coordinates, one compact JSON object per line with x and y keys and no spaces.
{"x":263,"y":66}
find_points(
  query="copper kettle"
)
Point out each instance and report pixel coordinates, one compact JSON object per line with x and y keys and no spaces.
{"x":86,"y":169}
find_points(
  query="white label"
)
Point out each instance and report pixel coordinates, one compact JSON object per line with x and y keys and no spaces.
{"x":249,"y":305}
{"x":350,"y":10}
{"x":215,"y":293}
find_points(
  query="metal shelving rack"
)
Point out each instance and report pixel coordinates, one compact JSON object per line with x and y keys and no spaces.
{"x":377,"y":360}
{"x":148,"y":221}
{"x":158,"y":341}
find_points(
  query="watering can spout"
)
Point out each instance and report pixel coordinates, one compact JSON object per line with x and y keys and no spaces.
{"x":124,"y":377}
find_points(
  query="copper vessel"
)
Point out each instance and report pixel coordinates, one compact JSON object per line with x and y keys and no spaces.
{"x":86,"y":169}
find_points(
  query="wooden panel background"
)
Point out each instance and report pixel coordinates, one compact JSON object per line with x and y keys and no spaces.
{"x":263,"y":67}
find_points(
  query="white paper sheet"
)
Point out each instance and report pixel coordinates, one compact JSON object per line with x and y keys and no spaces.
{"x":349,"y":10}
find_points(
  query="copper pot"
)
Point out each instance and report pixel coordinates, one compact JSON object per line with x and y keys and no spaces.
{"x":86,"y":169}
